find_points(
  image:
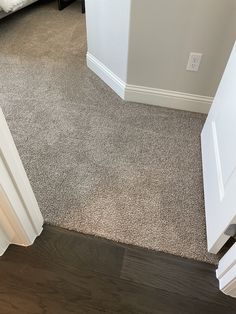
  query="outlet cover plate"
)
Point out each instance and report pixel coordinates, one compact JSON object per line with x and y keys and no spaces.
{"x":194,"y":61}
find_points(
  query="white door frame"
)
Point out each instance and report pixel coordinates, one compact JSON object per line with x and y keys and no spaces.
{"x":226,"y":272}
{"x":20,"y":218}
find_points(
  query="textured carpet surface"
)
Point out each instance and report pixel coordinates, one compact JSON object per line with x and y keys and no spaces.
{"x":98,"y":165}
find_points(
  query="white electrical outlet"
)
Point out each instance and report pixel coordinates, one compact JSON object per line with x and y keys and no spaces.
{"x":194,"y":61}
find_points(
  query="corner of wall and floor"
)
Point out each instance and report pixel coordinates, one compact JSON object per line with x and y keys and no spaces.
{"x":128,"y":49}
{"x":148,"y":95}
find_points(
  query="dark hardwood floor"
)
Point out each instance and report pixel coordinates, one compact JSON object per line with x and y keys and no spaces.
{"x":67,"y":272}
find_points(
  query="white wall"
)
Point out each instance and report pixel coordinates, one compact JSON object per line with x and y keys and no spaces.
{"x":164,"y":32}
{"x":108,"y":33}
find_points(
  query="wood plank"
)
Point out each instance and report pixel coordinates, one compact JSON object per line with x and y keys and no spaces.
{"x":61,"y":250}
{"x":31,"y":290}
{"x":174,"y":274}
{"x":67,"y":272}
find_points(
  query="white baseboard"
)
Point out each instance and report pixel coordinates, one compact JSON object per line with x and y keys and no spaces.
{"x":147,"y":95}
{"x":168,"y":98}
{"x":106,"y":75}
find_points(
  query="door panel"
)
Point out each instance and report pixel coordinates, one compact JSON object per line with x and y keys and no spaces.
{"x":224,"y":140}
{"x":219,"y":160}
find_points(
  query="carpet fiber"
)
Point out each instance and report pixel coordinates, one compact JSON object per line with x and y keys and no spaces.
{"x":98,"y":165}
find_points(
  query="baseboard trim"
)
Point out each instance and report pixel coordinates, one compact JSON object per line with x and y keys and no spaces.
{"x":106,"y":75}
{"x":147,"y":95}
{"x":168,"y":98}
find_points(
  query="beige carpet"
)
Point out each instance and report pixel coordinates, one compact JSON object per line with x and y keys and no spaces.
{"x":128,"y":172}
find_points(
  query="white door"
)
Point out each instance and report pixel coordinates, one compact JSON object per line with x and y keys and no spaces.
{"x":20,"y":218}
{"x":219,"y":161}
